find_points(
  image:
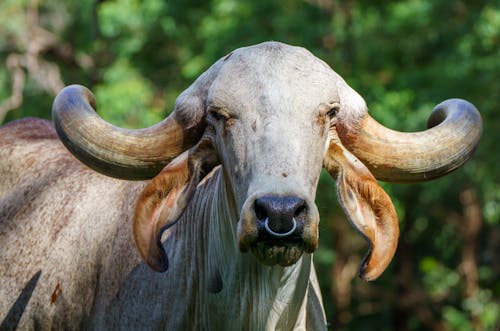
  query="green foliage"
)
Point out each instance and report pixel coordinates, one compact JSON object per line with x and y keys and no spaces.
{"x":126,"y":21}
{"x":438,"y":280}
{"x":403,"y":57}
{"x":127,"y":98}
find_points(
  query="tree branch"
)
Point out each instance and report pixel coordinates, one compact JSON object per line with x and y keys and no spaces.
{"x":17,"y":84}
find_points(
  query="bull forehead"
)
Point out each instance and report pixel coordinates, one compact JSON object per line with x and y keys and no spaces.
{"x":272,"y":79}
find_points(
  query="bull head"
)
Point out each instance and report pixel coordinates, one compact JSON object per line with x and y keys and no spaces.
{"x":272,"y":116}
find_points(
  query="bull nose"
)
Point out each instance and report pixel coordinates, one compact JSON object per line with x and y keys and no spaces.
{"x":279,"y":215}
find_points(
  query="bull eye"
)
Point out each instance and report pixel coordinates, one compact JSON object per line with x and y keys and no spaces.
{"x":218,"y":114}
{"x":333,"y":111}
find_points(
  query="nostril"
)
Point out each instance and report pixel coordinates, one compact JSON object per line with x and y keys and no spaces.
{"x":301,"y":210}
{"x":260,"y":211}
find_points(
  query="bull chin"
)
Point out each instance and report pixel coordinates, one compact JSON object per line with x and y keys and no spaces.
{"x":271,"y":254}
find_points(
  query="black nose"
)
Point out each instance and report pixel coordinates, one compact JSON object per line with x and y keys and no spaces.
{"x":279,"y":214}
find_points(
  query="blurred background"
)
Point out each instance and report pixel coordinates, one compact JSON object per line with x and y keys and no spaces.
{"x":403,"y":57}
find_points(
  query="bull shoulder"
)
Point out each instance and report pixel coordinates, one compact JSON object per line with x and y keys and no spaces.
{"x":59,"y":222}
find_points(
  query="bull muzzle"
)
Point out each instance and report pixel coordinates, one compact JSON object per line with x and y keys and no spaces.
{"x":278,"y":229}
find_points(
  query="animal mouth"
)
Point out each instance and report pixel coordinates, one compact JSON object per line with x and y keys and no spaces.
{"x":283,"y":253}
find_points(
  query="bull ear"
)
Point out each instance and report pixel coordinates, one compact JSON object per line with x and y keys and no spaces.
{"x":164,"y":199}
{"x":366,"y":205}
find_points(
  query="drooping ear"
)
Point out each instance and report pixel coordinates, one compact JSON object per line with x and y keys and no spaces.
{"x":366,"y":205}
{"x":164,"y":199}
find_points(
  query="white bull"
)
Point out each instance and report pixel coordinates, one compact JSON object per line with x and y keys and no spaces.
{"x":235,"y":169}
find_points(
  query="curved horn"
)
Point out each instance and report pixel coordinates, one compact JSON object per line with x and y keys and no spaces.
{"x":455,"y":128}
{"x":113,"y":151}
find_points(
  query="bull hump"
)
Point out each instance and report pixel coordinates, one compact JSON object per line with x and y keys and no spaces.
{"x":29,"y":129}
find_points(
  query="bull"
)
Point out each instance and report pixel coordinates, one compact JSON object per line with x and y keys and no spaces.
{"x":206,"y":220}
